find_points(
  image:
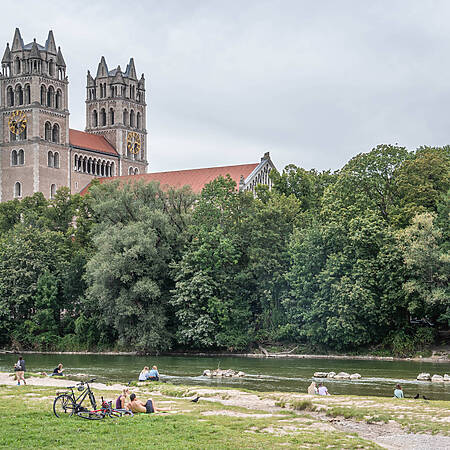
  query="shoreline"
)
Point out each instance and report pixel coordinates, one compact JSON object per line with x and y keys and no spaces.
{"x":241,"y":355}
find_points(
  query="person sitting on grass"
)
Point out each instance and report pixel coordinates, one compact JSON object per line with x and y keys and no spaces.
{"x":322,"y":390}
{"x":143,"y":376}
{"x":58,"y":371}
{"x":398,"y":392}
{"x":153,"y":375}
{"x":122,"y":399}
{"x":137,"y":406}
{"x":312,"y":389}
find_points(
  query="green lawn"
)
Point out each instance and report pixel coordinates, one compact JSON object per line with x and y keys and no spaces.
{"x":27,"y":421}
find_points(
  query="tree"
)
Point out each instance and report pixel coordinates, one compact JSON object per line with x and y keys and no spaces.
{"x":428,"y":267}
{"x":137,"y":236}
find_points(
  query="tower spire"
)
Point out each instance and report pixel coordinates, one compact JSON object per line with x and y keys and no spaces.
{"x":17,"y":43}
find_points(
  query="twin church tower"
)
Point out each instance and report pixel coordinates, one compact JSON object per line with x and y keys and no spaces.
{"x":38,"y":150}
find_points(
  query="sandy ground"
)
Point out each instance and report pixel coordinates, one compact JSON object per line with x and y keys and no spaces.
{"x":390,"y":435}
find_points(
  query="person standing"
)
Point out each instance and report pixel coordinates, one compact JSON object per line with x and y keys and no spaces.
{"x":19,"y":370}
{"x":398,"y":392}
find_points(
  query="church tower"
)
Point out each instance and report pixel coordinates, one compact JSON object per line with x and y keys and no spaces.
{"x":34,"y":119}
{"x":116,"y":109}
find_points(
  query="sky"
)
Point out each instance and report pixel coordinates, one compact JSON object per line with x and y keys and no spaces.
{"x":312,"y":82}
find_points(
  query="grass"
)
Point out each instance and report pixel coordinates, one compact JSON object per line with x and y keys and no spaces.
{"x":28,"y":422}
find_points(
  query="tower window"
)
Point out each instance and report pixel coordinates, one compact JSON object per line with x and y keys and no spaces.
{"x":14,"y":159}
{"x":131,"y":118}
{"x":52,"y":191}
{"x":19,"y":95}
{"x":10,"y":95}
{"x":50,"y":159}
{"x":125,"y":117}
{"x":51,"y":68}
{"x":48,"y":131}
{"x":58,"y":99}
{"x":56,"y":160}
{"x":17,"y":66}
{"x":138,"y":120}
{"x":94,"y":118}
{"x":55,"y":133}
{"x":111,"y":116}
{"x":17,"y":190}
{"x":51,"y":97}
{"x":27,"y":94}
{"x":43,"y":95}
{"x":20,"y":157}
{"x":102,"y":117}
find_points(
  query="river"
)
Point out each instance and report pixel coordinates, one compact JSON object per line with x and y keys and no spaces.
{"x":285,"y":375}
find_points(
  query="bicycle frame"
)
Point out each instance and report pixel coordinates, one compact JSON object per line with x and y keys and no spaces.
{"x":80,"y":399}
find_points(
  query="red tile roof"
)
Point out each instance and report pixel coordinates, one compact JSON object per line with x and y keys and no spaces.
{"x":89,"y":141}
{"x":195,"y":178}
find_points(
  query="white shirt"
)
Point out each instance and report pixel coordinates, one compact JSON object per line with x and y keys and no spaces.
{"x":323,"y":390}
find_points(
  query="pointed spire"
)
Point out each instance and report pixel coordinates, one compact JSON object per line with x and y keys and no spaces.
{"x":141,"y":83}
{"x":7,"y":55}
{"x":131,"y":70}
{"x":34,"y":53}
{"x":50,"y":45}
{"x":17,"y":43}
{"x":102,"y":70}
{"x":90,"y":80}
{"x":59,"y":59}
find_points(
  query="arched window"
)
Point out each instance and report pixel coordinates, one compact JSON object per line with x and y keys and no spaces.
{"x":51,"y":68}
{"x":103,"y":117}
{"x":125,"y":117}
{"x":75,"y":163}
{"x":131,"y":118}
{"x":51,"y":97}
{"x":58,"y":99}
{"x":10,"y":95}
{"x":94,"y":118}
{"x":17,"y":65}
{"x":84,"y":165}
{"x":43,"y":95}
{"x":52,"y":190}
{"x":27,"y":94}
{"x":14,"y":158}
{"x":138,"y":120}
{"x":48,"y":131}
{"x":111,"y":116}
{"x":130,"y":171}
{"x":20,"y":157}
{"x":55,"y":133}
{"x":56,"y":160}
{"x":136,"y":171}
{"x":111,"y":169}
{"x":17,"y":190}
{"x":19,"y":95}
{"x":50,"y":159}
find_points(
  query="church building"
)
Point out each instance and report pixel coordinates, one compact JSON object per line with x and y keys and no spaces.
{"x":39,"y":152}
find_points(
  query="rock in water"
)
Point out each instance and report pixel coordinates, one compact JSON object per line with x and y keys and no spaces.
{"x":331,"y":374}
{"x":355,"y":376}
{"x":424,"y":377}
{"x":342,"y":376}
{"x":241,"y":374}
{"x":320,"y":374}
{"x":437,"y":379}
{"x":446,"y":377}
{"x":206,"y":373}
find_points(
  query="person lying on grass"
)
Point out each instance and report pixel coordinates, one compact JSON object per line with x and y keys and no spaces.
{"x":137,"y":406}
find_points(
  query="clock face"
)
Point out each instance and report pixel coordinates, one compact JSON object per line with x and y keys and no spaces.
{"x":133,"y":143}
{"x":17,"y":122}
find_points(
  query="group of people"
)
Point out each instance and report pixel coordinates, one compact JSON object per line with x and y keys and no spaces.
{"x":131,"y":403}
{"x":149,"y":374}
{"x":320,"y":389}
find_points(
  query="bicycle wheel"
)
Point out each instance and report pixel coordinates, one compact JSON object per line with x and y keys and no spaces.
{"x":115,"y":413}
{"x":91,"y":415}
{"x":63,"y":406}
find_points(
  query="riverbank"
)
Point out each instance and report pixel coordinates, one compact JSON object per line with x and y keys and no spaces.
{"x":225,"y":418}
{"x":444,"y":358}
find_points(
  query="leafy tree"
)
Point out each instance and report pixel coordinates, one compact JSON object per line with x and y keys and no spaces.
{"x":136,"y":238}
{"x":428,"y":267}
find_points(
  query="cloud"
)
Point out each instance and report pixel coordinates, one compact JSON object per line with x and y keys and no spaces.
{"x":314,"y":83}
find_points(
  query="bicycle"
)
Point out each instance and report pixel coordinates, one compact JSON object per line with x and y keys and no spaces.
{"x":67,"y":404}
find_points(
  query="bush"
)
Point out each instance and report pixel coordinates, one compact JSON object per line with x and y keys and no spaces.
{"x":302,"y":405}
{"x":424,"y":337}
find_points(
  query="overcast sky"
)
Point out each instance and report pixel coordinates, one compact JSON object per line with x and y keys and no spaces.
{"x":313,"y":82}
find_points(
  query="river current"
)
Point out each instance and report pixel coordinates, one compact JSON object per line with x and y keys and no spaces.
{"x":285,"y":375}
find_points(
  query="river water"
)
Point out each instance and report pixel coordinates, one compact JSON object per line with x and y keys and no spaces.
{"x":286,"y":375}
